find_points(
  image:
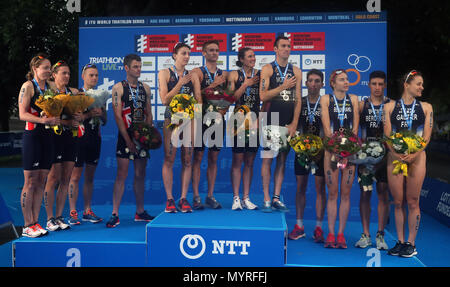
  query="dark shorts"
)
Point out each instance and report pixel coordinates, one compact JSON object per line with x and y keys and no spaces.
{"x":88,"y":151}
{"x":300,"y":170}
{"x":123,"y":152}
{"x":65,"y":147}
{"x":214,"y":147}
{"x":37,"y":149}
{"x":238,"y":148}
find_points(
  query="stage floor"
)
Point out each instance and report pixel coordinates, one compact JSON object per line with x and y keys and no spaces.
{"x":432,"y":240}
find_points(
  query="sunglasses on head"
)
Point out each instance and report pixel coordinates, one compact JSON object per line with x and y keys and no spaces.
{"x":412,"y":73}
{"x":88,"y":66}
{"x":59,"y":63}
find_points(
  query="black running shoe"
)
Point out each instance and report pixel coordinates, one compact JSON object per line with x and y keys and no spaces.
{"x":395,"y":251}
{"x":113,"y":221}
{"x":408,"y":250}
{"x":211,"y":202}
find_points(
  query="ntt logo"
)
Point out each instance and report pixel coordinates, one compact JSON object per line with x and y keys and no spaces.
{"x":193,"y":246}
{"x":192,"y":241}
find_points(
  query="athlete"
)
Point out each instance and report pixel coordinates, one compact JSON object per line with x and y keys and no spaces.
{"x":88,"y":152}
{"x":371,"y":111}
{"x":37,"y":149}
{"x":65,"y":152}
{"x":339,"y":110}
{"x":131,"y":104}
{"x":210,"y":76}
{"x":310,"y":123}
{"x":408,"y":113}
{"x":280,"y":90}
{"x":173,"y":81}
{"x":245,"y":84}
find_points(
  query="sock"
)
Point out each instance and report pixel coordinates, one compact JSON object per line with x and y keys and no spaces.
{"x":300,"y":222}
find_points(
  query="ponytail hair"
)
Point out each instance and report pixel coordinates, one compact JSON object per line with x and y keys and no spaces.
{"x":241,"y":55}
{"x":35,"y":62}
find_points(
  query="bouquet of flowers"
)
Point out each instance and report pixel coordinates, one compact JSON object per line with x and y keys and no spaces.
{"x":343,"y":145}
{"x":52,"y":105}
{"x":371,"y":153}
{"x":217,"y":99}
{"x":247,"y":128}
{"x":308,"y":149}
{"x":275,"y":137}
{"x":75,"y":104}
{"x":182,"y":108}
{"x":405,"y":142}
{"x":100,"y":97}
{"x":145,"y":137}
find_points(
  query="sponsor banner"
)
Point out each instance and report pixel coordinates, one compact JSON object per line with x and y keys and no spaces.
{"x":262,"y":42}
{"x":196,"y":41}
{"x":435,"y":199}
{"x":314,"y":41}
{"x":156,"y":43}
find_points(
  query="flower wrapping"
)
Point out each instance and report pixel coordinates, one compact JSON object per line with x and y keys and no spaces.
{"x":217,"y":99}
{"x":247,"y":128}
{"x":371,"y":153}
{"x":100,"y":97}
{"x":275,"y":138}
{"x":405,"y":142}
{"x":181,"y":107}
{"x":145,"y":137}
{"x":52,"y":105}
{"x":78,"y":103}
{"x":343,"y":145}
{"x":308,"y":150}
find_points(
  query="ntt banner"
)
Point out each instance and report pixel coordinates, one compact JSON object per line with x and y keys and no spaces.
{"x":355,"y":41}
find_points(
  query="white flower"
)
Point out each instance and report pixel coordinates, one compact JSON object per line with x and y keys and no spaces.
{"x":343,"y":141}
{"x":143,"y":153}
{"x":362,"y":155}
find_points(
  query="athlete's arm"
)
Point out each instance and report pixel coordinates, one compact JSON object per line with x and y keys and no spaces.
{"x":264,"y":92}
{"x":355,"y":105}
{"x":324,"y":115}
{"x":117,"y":92}
{"x":292,"y":127}
{"x":148,"y":106}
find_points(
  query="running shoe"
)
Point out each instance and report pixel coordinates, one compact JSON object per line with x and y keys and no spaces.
{"x":340,"y":241}
{"x":31,"y":231}
{"x":61,"y":223}
{"x":330,"y":242}
{"x":170,"y":206}
{"x":211,"y":202}
{"x":39,"y":228}
{"x":236,"y":203}
{"x":267,"y":207}
{"x":197,"y":203}
{"x":73,"y":220}
{"x":364,"y":241}
{"x":318,"y":235}
{"x":278,"y":205}
{"x":144,"y":216}
{"x":396,"y":249}
{"x":297,"y":232}
{"x":91,"y":217}
{"x":52,"y":225}
{"x":408,"y":250}
{"x":113,"y":221}
{"x":249,"y":205}
{"x":183,"y":206}
{"x":381,"y":244}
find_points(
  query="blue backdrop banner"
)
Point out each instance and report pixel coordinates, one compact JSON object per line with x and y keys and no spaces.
{"x":355,"y":41}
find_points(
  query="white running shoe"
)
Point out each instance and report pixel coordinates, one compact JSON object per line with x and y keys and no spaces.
{"x":61,"y":223}
{"x":249,"y":205}
{"x":39,"y":228}
{"x":31,"y":231}
{"x":52,"y":225}
{"x":364,"y":241}
{"x":236,"y":203}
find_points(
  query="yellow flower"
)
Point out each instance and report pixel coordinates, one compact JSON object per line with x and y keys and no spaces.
{"x":302,"y":147}
{"x":398,"y":135}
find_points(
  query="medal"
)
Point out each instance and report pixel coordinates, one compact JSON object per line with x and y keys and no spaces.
{"x":408,"y":118}
{"x":183,"y":88}
{"x":285,"y":95}
{"x":341,"y":114}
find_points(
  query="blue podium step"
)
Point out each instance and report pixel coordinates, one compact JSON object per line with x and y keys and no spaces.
{"x":217,"y":238}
